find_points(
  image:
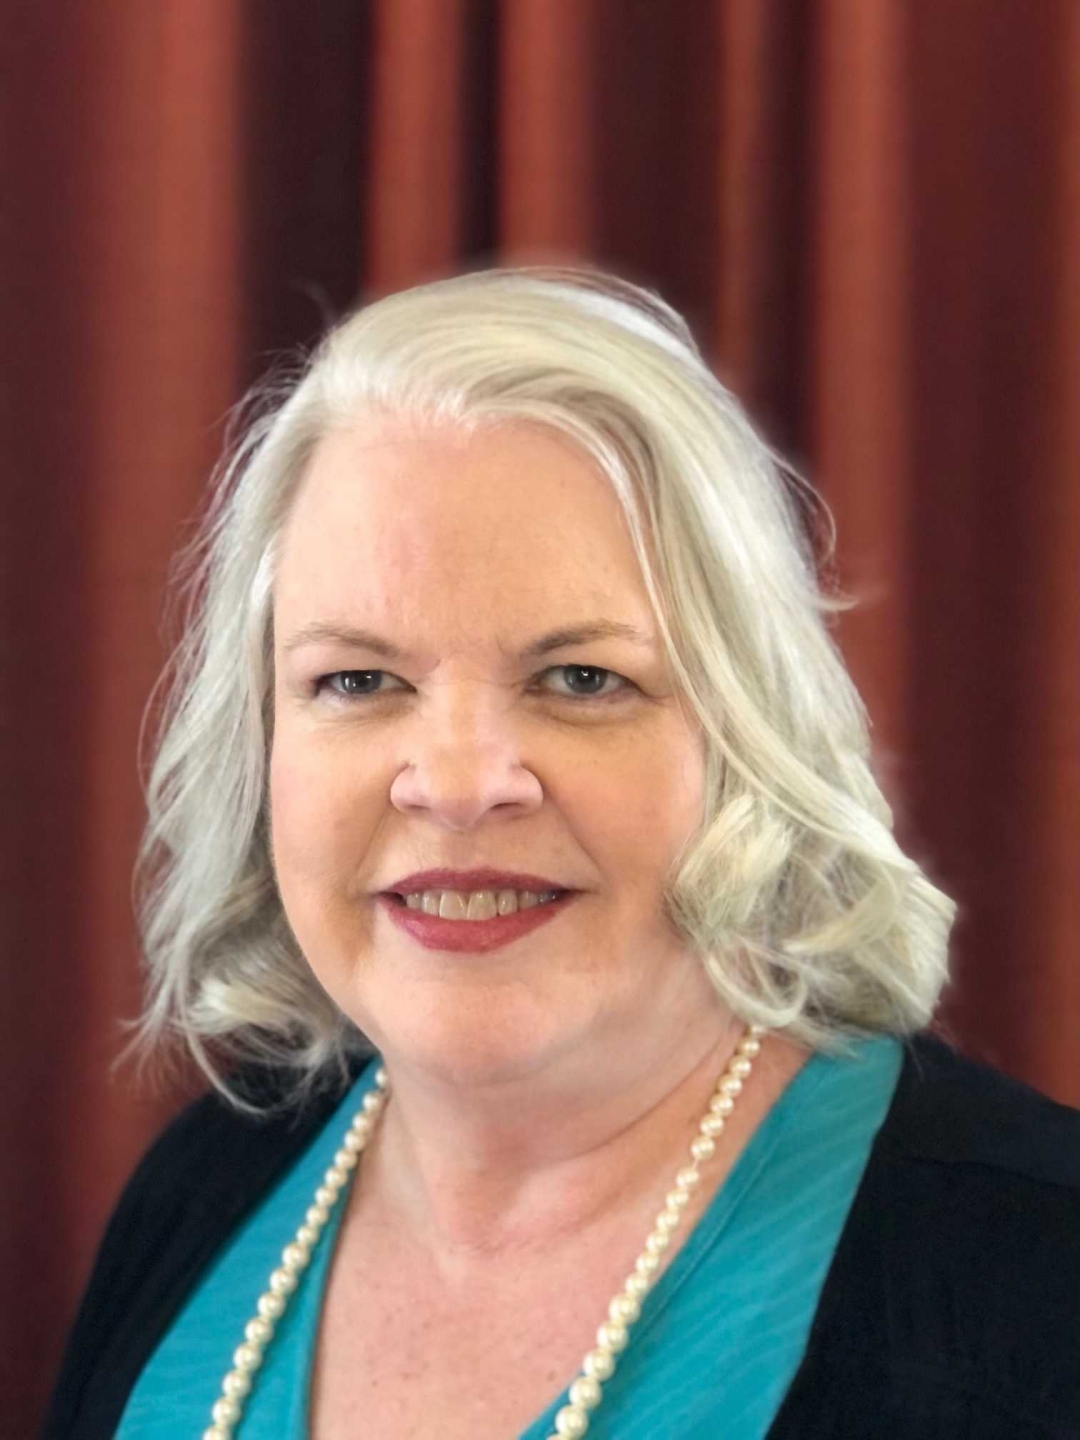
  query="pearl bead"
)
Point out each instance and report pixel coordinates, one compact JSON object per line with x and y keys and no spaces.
{"x":217,"y":1432}
{"x":282,"y":1282}
{"x":372,"y":1102}
{"x":599,"y":1364}
{"x":316,"y":1216}
{"x":571,"y":1420}
{"x":712,"y":1125}
{"x":226,"y":1411}
{"x":344,"y":1160}
{"x":381,"y":1077}
{"x":740,"y":1067}
{"x":236,"y":1384}
{"x":676,"y":1200}
{"x":307,"y":1235}
{"x":612,"y":1336}
{"x":247,"y":1357}
{"x":272,"y":1305}
{"x":625,"y":1309}
{"x":294,"y":1257}
{"x":721,"y":1105}
{"x":636,"y":1285}
{"x":586,"y":1392}
{"x":335,"y":1177}
{"x":731,"y":1085}
{"x":325,"y":1197}
{"x":657,"y":1242}
{"x":646,"y":1263}
{"x":259,"y":1330}
{"x":687,"y":1179}
{"x":667,"y":1221}
{"x":750,"y":1048}
{"x":703,"y":1148}
{"x":353,"y":1141}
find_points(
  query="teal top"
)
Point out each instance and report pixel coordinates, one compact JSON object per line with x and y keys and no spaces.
{"x":719,"y":1338}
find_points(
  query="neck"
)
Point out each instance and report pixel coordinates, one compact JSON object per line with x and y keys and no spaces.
{"x":503,"y":1169}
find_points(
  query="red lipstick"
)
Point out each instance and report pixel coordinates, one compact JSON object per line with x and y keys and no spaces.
{"x":435,"y":933}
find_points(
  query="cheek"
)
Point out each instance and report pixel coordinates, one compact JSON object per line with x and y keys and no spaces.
{"x":659,"y":806}
{"x":290,"y":804}
{"x":315,"y":828}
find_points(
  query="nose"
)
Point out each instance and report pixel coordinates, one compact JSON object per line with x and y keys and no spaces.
{"x":463,"y":758}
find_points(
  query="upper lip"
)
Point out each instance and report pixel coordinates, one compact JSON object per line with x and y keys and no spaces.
{"x":482,"y":879}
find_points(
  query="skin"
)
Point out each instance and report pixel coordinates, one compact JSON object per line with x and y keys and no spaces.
{"x":539,"y":1089}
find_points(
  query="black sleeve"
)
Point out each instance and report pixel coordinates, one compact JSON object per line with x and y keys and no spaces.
{"x":197,"y":1181}
{"x":951,"y":1310}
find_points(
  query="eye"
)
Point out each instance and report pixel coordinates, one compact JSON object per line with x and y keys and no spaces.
{"x":364,"y":684}
{"x":351,"y":684}
{"x":592,"y":678}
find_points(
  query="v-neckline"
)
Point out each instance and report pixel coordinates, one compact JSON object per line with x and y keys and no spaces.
{"x":705,"y":1235}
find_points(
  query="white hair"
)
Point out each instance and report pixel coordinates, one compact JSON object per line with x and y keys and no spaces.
{"x":807,"y":916}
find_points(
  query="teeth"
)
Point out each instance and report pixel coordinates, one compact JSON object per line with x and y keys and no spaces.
{"x":477,"y":904}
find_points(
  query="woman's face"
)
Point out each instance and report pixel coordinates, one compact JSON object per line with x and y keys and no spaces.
{"x":461,"y":552}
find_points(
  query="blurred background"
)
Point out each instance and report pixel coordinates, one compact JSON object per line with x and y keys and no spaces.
{"x":869,"y":211}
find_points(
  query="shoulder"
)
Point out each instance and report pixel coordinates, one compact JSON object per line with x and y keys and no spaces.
{"x":953,"y":1111}
{"x":196,"y":1182}
{"x":974,"y":1179}
{"x":959,"y":1267}
{"x":214,"y":1160}
{"x":206,"y":1141}
{"x":949,"y":1309}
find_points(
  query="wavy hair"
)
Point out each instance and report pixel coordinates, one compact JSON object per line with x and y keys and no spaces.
{"x":793,"y":891}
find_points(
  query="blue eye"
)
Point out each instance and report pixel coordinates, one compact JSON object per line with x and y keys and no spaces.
{"x":351,"y":685}
{"x":364,"y":684}
{"x":593,"y":673}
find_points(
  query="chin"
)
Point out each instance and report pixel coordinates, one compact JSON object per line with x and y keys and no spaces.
{"x":463,"y":1045}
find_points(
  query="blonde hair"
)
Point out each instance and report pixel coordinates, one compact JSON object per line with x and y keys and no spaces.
{"x":805,"y":912}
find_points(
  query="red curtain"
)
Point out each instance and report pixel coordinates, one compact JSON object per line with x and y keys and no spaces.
{"x":869,"y":212}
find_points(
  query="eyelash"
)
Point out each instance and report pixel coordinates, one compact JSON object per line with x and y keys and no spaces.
{"x":323,"y":683}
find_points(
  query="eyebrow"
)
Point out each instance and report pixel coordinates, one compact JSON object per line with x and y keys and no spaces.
{"x":321,"y":631}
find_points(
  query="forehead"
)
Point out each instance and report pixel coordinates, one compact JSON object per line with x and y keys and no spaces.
{"x":408,"y":523}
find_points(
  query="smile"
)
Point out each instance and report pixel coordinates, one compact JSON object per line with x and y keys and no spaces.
{"x":477,"y":904}
{"x":438,"y":931}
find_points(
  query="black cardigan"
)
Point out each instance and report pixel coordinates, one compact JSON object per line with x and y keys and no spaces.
{"x":950,"y":1311}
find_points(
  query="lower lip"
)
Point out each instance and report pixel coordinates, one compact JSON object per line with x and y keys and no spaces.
{"x":435,"y":933}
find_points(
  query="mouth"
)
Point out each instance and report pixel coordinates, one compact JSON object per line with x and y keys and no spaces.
{"x":439,"y":932}
{"x":402,"y":898}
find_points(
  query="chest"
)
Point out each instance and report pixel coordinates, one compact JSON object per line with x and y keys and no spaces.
{"x":405,"y":1358}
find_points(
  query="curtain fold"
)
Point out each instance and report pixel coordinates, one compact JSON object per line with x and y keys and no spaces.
{"x":548,"y":128}
{"x":416,"y":160}
{"x":859,"y":421}
{"x":869,"y":213}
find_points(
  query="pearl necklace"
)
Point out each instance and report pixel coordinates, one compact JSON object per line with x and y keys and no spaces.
{"x":599,"y":1364}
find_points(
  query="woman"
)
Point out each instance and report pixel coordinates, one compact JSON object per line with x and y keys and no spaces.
{"x":516,"y":871}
